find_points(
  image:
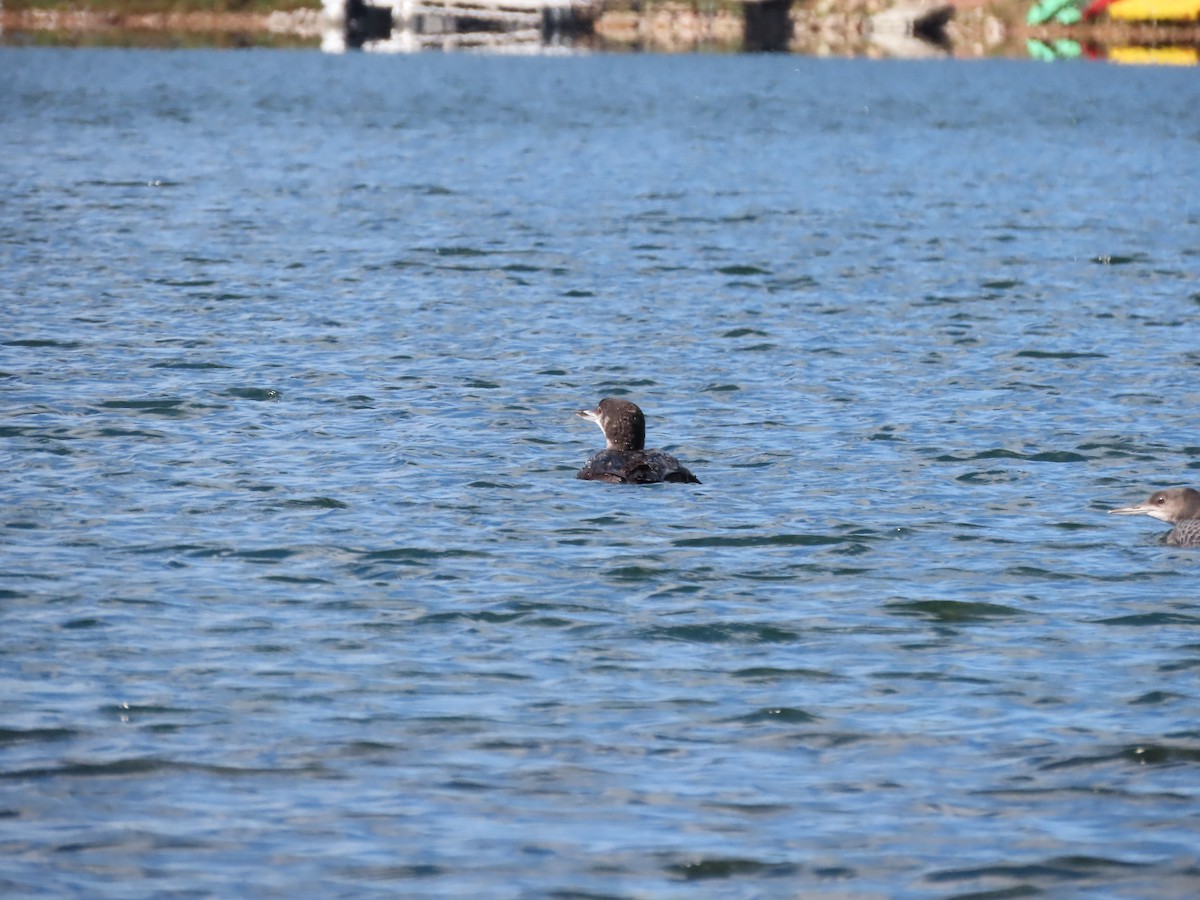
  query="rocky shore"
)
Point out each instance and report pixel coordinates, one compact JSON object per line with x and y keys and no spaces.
{"x":95,"y":25}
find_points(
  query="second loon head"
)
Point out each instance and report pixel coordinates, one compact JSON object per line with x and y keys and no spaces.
{"x":1174,"y":505}
{"x":622,"y":422}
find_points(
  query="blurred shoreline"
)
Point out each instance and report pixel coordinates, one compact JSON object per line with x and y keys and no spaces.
{"x":839,"y":28}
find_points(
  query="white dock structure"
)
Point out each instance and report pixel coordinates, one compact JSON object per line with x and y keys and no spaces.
{"x":410,"y":26}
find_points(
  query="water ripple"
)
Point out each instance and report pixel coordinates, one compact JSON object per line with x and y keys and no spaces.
{"x":295,"y":566}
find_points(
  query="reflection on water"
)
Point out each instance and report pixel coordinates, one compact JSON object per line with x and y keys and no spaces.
{"x":409,"y":26}
{"x":858,"y":29}
{"x":1068,"y":48}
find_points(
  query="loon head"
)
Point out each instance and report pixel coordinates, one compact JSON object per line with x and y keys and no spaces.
{"x":622,"y":422}
{"x":1173,"y":505}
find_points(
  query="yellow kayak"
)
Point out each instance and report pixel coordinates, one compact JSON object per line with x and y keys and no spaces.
{"x":1154,"y":10}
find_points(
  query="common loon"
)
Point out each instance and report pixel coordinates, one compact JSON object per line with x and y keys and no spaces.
{"x":625,"y":459}
{"x":1178,"y":506}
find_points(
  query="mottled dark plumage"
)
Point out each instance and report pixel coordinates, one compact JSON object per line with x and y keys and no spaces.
{"x":1178,"y":506}
{"x":625,"y":459}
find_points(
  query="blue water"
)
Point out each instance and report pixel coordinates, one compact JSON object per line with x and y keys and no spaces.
{"x":299,"y":595}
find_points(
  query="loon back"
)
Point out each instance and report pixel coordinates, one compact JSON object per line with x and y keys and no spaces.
{"x":1185,"y":534}
{"x":635,"y":467}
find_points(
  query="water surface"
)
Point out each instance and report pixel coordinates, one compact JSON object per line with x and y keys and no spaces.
{"x":298,"y":593}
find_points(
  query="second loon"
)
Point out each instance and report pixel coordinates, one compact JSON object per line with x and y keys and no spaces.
{"x":625,"y":459}
{"x":1178,"y":506}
